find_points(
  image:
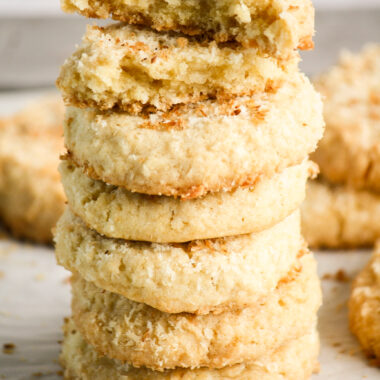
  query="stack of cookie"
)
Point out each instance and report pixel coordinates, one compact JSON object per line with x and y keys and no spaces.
{"x":342,"y":208}
{"x":188,"y":139}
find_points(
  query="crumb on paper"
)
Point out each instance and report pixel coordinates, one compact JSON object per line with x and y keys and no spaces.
{"x":336,"y":344}
{"x":339,"y":276}
{"x":67,"y":280}
{"x":39,"y":277}
{"x":2,"y":274}
{"x":59,"y":373}
{"x":341,"y":306}
{"x":9,"y":348}
{"x":350,"y":351}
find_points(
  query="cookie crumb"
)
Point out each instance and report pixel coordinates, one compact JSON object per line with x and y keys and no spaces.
{"x":39,"y":277}
{"x":339,"y":276}
{"x":2,"y":274}
{"x":8,"y":348}
{"x":341,"y":306}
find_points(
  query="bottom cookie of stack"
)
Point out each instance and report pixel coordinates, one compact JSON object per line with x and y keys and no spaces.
{"x":295,"y":360}
{"x":144,"y":336}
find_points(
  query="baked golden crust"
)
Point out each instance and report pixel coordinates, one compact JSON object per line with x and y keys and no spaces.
{"x":335,"y":216}
{"x":195,"y":277}
{"x":296,"y":360}
{"x":350,"y":149}
{"x":275,"y":26}
{"x":143,"y":336}
{"x":115,"y":212}
{"x":31,"y":195}
{"x":205,"y":147}
{"x":364,"y":306}
{"x":136,"y":69}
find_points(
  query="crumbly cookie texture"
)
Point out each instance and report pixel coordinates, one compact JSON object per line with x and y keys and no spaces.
{"x":195,"y":277}
{"x":275,"y":26}
{"x":137,"y":69}
{"x":143,"y":336}
{"x":115,"y":212}
{"x":335,"y":216}
{"x":199,"y":148}
{"x":31,"y":195}
{"x":364,"y":306}
{"x":295,"y":360}
{"x":350,"y":149}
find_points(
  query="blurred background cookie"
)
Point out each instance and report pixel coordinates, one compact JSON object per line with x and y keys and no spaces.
{"x":364,"y":307}
{"x":341,"y":210}
{"x":31,"y":195}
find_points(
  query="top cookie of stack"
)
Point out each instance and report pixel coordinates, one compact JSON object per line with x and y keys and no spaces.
{"x":135,"y":68}
{"x":274,"y":26}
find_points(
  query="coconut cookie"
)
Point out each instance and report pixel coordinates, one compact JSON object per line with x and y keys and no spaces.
{"x":350,"y":150}
{"x":115,"y":212}
{"x":295,"y":360}
{"x":364,"y":306}
{"x":137,"y":69}
{"x":196,"y":277}
{"x":31,"y":195}
{"x":339,"y":216}
{"x":276,"y":27}
{"x":143,"y":336}
{"x":199,"y":148}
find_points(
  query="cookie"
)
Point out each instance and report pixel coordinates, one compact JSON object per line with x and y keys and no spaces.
{"x":295,"y":360}
{"x":137,"y":69}
{"x":195,"y":277}
{"x":335,"y":216}
{"x":364,"y":306}
{"x":350,"y":150}
{"x":276,"y":27}
{"x":31,"y":195}
{"x":118,"y":213}
{"x":143,"y":336}
{"x":204,"y":147}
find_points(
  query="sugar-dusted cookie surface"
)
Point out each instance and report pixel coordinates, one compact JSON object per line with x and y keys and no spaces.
{"x":116,"y":212}
{"x":275,"y":26}
{"x":137,"y":69}
{"x":295,"y":360}
{"x":31,"y":195}
{"x":204,"y":147}
{"x":143,"y":336}
{"x":350,"y":149}
{"x":195,"y":277}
